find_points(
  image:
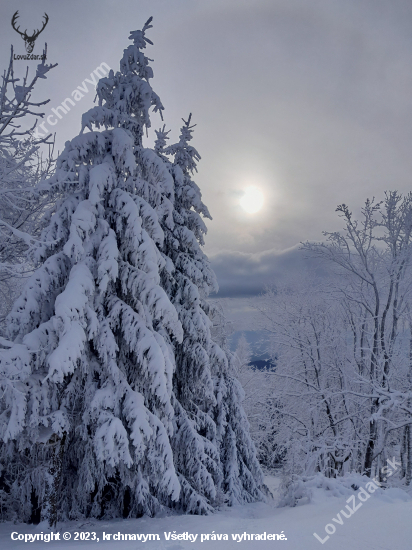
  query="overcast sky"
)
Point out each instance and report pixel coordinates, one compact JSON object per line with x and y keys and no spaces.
{"x":310,"y":101}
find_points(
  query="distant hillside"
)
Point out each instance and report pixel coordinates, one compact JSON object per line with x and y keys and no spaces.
{"x":263,"y":364}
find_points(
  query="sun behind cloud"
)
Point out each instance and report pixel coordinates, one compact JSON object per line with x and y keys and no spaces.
{"x":252,"y":200}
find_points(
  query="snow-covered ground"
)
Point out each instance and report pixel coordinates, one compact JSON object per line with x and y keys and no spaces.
{"x":383,"y":522}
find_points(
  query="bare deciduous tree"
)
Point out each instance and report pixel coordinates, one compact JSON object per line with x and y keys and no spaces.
{"x":22,"y":167}
{"x":344,"y":369}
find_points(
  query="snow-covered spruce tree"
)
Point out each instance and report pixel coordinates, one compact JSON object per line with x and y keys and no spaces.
{"x":196,"y":457}
{"x":242,"y":475}
{"x":195,"y":445}
{"x":214,"y":454}
{"x":87,"y":383}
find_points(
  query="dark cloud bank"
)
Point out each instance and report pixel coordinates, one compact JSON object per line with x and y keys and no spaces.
{"x":242,"y":274}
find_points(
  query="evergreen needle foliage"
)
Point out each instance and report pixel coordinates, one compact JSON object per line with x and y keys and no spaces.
{"x":116,"y":401}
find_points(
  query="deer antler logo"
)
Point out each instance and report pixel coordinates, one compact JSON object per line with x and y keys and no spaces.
{"x":28,"y":40}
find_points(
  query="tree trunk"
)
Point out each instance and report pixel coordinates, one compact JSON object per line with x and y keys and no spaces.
{"x":373,"y":429}
{"x":55,"y":474}
{"x":408,"y":475}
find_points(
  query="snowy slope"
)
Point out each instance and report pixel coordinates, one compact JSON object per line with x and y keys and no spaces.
{"x":382,"y":523}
